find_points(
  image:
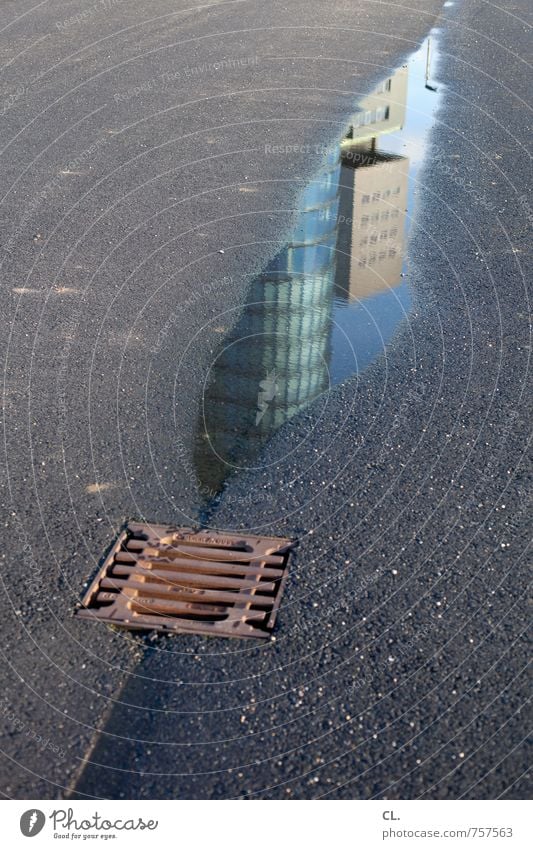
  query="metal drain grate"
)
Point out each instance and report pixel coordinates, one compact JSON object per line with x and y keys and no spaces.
{"x":180,"y":580}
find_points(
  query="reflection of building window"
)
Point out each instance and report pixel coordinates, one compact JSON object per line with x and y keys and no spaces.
{"x":384,"y":86}
{"x":362,"y":263}
{"x":371,"y":116}
{"x":394,"y":213}
{"x":372,"y":259}
{"x":393,"y":232}
{"x":373,"y":238}
{"x":383,"y":236}
{"x":375,"y":216}
{"x":385,"y":215}
{"x":364,"y":221}
{"x":362,"y":243}
{"x":366,"y":198}
{"x":382,"y":255}
{"x":386,"y":193}
{"x":397,"y":190}
{"x":376,"y":196}
{"x":392,"y":251}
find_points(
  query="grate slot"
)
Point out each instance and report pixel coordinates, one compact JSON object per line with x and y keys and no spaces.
{"x":209,"y":568}
{"x":163,"y":590}
{"x":201,"y":555}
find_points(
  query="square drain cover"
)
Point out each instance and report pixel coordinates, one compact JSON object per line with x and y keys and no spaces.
{"x":180,"y":580}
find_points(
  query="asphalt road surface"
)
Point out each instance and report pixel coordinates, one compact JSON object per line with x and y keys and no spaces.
{"x":131,"y":136}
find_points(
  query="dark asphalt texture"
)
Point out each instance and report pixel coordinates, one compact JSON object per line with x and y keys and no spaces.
{"x":399,"y":664}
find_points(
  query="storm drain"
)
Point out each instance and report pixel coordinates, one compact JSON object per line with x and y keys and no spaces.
{"x":180,"y":580}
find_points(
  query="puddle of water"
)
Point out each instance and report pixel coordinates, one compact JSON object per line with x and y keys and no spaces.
{"x":331,"y":300}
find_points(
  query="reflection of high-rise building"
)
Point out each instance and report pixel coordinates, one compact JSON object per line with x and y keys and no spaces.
{"x":348,"y":241}
{"x":275,"y":360}
{"x":373,"y":195}
{"x":373,"y":204}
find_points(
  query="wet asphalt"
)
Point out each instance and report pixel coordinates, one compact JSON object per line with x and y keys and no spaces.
{"x":398,"y":668}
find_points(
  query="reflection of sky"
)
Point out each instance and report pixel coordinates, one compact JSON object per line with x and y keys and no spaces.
{"x":421,"y":103}
{"x":366,"y":327}
{"x":361,"y":331}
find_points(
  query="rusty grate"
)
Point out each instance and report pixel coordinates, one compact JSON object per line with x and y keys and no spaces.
{"x":180,"y":580}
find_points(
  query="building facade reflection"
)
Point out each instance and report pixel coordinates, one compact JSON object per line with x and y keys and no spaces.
{"x":347,"y":244}
{"x":275,"y":360}
{"x":374,"y":204}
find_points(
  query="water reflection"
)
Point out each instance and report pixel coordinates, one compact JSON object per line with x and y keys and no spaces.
{"x":331,"y":299}
{"x":275,"y":360}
